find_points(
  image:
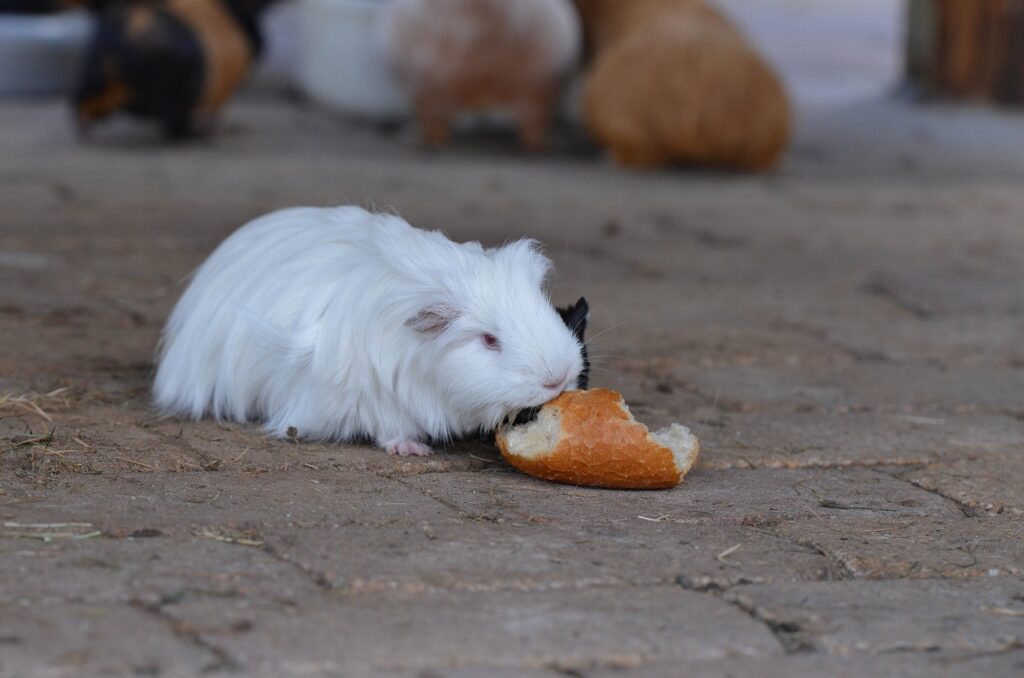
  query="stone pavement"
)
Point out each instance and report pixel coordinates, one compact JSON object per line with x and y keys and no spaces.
{"x":845,"y":336}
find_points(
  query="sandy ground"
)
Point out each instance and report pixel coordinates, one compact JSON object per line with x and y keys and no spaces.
{"x":845,"y":336}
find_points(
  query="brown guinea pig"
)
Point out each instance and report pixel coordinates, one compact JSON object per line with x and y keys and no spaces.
{"x":676,"y":81}
{"x":482,"y":55}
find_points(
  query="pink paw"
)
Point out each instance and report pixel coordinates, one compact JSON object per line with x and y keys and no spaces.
{"x":408,"y":448}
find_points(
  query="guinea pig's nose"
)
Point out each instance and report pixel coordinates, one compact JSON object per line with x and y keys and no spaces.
{"x":557,"y":383}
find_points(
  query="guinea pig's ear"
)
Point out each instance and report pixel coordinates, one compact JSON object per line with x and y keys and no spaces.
{"x":525,"y":255}
{"x":575,"y":317}
{"x":434,"y":318}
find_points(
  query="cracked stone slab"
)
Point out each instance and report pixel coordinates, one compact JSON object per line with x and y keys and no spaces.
{"x":773,"y":437}
{"x":926,"y":293}
{"x":85,"y":639}
{"x":180,"y":503}
{"x":479,"y":532}
{"x":948,"y":617}
{"x":952,"y":340}
{"x":918,"y":547}
{"x":148,"y":568}
{"x":905,"y":665}
{"x":132,"y":439}
{"x":427,"y":558}
{"x":878,"y":384}
{"x":777,"y":438}
{"x":940,"y":340}
{"x":236,"y":510}
{"x":736,"y":496}
{"x":515,"y":533}
{"x":985,"y":479}
{"x":807,"y":424}
{"x":368,"y":534}
{"x":626,"y":627}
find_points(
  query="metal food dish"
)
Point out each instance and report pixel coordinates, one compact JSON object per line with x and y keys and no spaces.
{"x":341,"y":63}
{"x":41,"y":54}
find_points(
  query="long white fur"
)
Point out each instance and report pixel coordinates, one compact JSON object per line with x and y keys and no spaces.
{"x":305,"y":318}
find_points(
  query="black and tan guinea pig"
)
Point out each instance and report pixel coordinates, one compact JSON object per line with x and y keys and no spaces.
{"x":176,"y":61}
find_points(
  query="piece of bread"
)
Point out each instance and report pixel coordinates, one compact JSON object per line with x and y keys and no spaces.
{"x":590,"y":438}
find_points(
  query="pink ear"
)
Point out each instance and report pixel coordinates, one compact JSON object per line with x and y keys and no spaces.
{"x":435,"y":318}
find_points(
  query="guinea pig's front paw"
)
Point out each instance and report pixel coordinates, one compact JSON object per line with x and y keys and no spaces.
{"x":408,"y":448}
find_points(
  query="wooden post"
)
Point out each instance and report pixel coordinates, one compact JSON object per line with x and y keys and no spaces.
{"x":967,"y":49}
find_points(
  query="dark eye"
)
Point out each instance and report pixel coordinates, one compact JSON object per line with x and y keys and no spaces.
{"x":490,"y":341}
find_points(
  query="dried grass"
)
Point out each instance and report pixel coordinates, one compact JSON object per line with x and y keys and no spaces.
{"x":45,"y":531}
{"x":229,"y":536}
{"x":137,"y":463}
{"x":1004,"y":611}
{"x":34,"y":403}
{"x":721,"y":557}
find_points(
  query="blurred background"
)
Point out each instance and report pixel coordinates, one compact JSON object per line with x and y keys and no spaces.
{"x":830,"y":54}
{"x":181,"y":65}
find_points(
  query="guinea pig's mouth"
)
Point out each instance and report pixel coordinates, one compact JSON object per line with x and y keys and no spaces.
{"x":524,"y":416}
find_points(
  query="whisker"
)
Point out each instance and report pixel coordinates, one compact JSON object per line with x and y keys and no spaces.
{"x":605,"y":370}
{"x":609,"y":329}
{"x":576,"y":327}
{"x":607,"y":340}
{"x":605,"y":373}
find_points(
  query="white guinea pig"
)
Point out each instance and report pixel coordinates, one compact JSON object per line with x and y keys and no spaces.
{"x":345,"y":324}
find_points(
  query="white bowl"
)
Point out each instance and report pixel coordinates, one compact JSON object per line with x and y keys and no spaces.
{"x":43,"y":54}
{"x":341,"y":62}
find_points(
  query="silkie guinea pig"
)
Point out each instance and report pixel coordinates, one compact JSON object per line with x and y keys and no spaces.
{"x":346,"y":325}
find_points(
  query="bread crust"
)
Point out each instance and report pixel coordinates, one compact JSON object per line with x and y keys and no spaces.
{"x":601,"y":445}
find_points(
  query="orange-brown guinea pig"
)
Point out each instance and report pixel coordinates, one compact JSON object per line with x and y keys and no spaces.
{"x":674,"y":81}
{"x":176,"y":61}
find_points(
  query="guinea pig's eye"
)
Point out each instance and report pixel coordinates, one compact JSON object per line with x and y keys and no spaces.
{"x":490,"y":341}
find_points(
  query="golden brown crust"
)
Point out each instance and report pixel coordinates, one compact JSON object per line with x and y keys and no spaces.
{"x":601,"y":446}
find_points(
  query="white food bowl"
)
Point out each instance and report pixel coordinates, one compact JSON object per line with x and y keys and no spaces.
{"x":341,"y":63}
{"x":42,"y":54}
